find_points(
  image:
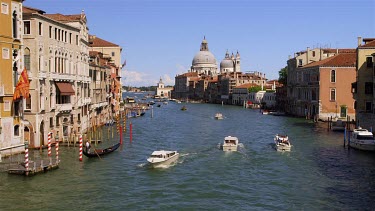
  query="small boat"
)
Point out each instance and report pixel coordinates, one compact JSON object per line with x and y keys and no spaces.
{"x":218,"y":116}
{"x":158,"y":105}
{"x":230,"y":143}
{"x":282,"y":143}
{"x":265,"y":112}
{"x":339,"y":125}
{"x":100,"y":152}
{"x":183,"y":108}
{"x":362,"y":139}
{"x":162,"y":158}
{"x":110,"y":122}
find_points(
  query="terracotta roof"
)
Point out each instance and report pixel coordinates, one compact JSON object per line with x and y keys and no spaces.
{"x":93,"y":53}
{"x":191,"y":74}
{"x":30,"y":10}
{"x":246,"y":86}
{"x":98,"y":42}
{"x":64,"y":18}
{"x":368,"y":45}
{"x":339,"y":60}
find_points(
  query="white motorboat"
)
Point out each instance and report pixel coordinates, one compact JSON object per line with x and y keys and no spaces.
{"x":230,"y":143}
{"x":163,"y":158}
{"x":282,"y":143}
{"x":362,"y":139}
{"x":218,"y":116}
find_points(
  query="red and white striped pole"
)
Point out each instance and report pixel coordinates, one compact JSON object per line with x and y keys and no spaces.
{"x":49,"y":148}
{"x":80,"y":147}
{"x":57,"y":151}
{"x":26,"y":158}
{"x":49,"y":144}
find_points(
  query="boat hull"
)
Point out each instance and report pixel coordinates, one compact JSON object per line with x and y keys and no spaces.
{"x":164,"y":163}
{"x":282,"y":147}
{"x":362,"y":146}
{"x":230,"y":148}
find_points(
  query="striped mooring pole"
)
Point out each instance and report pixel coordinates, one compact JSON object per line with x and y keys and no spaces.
{"x":26,"y":159}
{"x":80,"y":147}
{"x":49,"y":144}
{"x":57,"y":151}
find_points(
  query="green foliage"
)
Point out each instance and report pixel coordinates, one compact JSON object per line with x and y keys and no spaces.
{"x":283,"y":75}
{"x":255,"y":89}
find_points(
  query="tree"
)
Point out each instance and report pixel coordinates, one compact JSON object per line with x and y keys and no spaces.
{"x":255,"y":89}
{"x":283,"y":75}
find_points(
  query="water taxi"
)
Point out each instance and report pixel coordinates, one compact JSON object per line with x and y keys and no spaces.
{"x":362,"y":139}
{"x":282,"y":143}
{"x":162,"y":158}
{"x":230,"y":143}
{"x":218,"y":116}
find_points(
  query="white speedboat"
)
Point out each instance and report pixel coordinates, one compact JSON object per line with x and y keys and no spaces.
{"x":282,"y":143}
{"x":162,"y":158}
{"x":218,"y":116}
{"x":230,"y":143}
{"x":362,"y":139}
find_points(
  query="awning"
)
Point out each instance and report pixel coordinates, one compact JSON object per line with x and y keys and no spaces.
{"x":65,"y":88}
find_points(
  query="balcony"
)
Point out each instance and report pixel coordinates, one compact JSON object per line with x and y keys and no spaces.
{"x":62,"y":76}
{"x":42,"y":75}
{"x":64,"y":107}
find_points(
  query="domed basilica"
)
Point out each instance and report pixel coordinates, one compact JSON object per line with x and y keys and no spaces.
{"x":204,"y":62}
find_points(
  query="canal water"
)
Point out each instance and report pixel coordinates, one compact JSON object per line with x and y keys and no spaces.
{"x":318,"y":174}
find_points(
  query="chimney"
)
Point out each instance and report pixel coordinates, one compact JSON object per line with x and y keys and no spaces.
{"x":337,"y":51}
{"x":359,"y":39}
{"x":321,"y":54}
{"x":307,"y":55}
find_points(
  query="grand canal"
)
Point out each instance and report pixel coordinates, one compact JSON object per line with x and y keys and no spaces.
{"x":318,"y":174}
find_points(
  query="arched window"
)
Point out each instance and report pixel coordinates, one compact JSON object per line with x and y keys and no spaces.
{"x":333,"y":76}
{"x":26,"y":58}
{"x":16,"y":130}
{"x":333,"y":95}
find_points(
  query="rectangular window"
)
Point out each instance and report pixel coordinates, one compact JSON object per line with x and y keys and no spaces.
{"x":6,"y":105}
{"x":66,"y":33}
{"x":333,"y":76}
{"x":57,"y":121}
{"x":76,"y":39}
{"x":369,"y":88}
{"x":26,"y":27}
{"x":4,"y":8}
{"x":5,"y":53}
{"x":70,"y":38}
{"x":28,"y":103}
{"x":51,"y":122}
{"x":50,"y":32}
{"x":113,"y":53}
{"x":40,"y":28}
{"x":313,"y":53}
{"x":16,"y":108}
{"x":333,"y":95}
{"x":299,"y":62}
{"x":369,"y":61}
{"x":368,"y":106}
{"x":55,"y":33}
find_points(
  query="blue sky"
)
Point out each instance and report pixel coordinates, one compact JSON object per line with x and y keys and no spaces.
{"x":160,"y":37}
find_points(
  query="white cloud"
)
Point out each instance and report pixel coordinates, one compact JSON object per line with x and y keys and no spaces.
{"x":181,"y":69}
{"x":168,"y":80}
{"x":137,"y":79}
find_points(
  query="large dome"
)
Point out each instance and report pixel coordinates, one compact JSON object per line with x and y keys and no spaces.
{"x":226,"y":63}
{"x":204,"y":57}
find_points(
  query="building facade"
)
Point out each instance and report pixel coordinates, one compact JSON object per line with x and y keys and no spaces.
{"x":56,"y":56}
{"x":363,"y":88}
{"x":11,"y":65}
{"x":163,"y":91}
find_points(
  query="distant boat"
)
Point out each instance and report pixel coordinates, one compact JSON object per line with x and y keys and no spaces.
{"x":230,"y":143}
{"x":100,"y":152}
{"x":183,"y":108}
{"x":162,"y":158}
{"x":282,"y":143}
{"x":218,"y":116}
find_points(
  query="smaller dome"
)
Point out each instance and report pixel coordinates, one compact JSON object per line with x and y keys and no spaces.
{"x":226,"y":63}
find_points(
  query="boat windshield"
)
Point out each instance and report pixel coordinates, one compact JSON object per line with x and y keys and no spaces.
{"x":365,"y":137}
{"x":157,"y":156}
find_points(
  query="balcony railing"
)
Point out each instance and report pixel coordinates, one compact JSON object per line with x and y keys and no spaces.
{"x":64,"y":107}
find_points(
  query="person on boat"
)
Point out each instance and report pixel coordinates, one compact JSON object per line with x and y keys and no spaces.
{"x":88,"y":146}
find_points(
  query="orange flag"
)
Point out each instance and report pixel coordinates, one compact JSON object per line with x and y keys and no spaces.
{"x":23,"y":86}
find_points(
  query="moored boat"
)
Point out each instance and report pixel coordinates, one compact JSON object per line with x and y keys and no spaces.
{"x":282,"y":143}
{"x":362,"y":139}
{"x":339,"y":125}
{"x":100,"y":152}
{"x":183,"y":108}
{"x":162,"y":158}
{"x":218,"y":116}
{"x":230,"y":143}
